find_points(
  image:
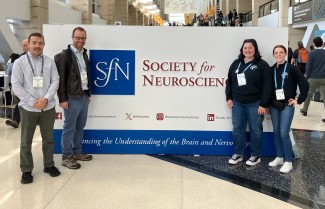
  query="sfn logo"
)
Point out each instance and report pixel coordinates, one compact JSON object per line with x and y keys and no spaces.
{"x":160,"y":116}
{"x":112,"y":72}
{"x":58,"y":115}
{"x":210,"y":117}
{"x":128,"y":116}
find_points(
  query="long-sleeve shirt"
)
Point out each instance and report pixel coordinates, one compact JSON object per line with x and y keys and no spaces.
{"x":293,"y":76}
{"x":258,"y":82}
{"x":315,"y":67}
{"x":22,"y":81}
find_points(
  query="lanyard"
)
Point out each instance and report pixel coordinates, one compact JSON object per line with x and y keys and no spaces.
{"x":245,"y":68}
{"x":30,"y":63}
{"x":81,"y":63}
{"x":283,"y":75}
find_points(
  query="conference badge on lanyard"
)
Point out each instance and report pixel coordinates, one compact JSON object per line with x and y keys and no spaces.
{"x":38,"y":81}
{"x":241,"y":76}
{"x":241,"y":79}
{"x":84,"y":80}
{"x":279,"y":94}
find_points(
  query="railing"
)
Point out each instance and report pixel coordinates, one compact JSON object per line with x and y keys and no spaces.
{"x":269,"y":8}
{"x":247,"y":17}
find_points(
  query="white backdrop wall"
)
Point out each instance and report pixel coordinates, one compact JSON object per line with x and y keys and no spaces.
{"x":271,"y":20}
{"x":60,"y":13}
{"x":197,"y":111}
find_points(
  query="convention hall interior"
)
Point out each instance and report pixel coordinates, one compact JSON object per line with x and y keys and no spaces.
{"x":160,"y":180}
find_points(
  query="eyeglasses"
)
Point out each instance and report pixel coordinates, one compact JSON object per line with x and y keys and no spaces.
{"x":80,"y":38}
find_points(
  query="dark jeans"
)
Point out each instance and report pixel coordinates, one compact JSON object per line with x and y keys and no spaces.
{"x":241,"y":114}
{"x":302,"y":67}
{"x":281,"y":121}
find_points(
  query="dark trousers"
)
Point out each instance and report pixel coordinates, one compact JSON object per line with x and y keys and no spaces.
{"x":29,"y":121}
{"x":16,"y":115}
{"x":302,"y":67}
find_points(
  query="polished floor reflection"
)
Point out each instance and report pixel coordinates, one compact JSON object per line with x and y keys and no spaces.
{"x":178,"y":182}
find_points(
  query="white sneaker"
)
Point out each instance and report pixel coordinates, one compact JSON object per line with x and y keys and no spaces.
{"x":253,"y":161}
{"x":277,"y":161}
{"x":286,"y":168}
{"x":235,"y":159}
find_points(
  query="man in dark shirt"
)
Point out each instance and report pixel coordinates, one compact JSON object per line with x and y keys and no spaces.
{"x":315,"y":73}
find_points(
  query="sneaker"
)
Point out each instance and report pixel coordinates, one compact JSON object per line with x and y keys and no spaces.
{"x":323,"y":120}
{"x":52,"y":171}
{"x":286,"y":168}
{"x":235,"y":159}
{"x":83,"y":157}
{"x":26,"y":178}
{"x":277,"y":161}
{"x":69,"y":162}
{"x":12,"y":123}
{"x":304,"y":113}
{"x":253,"y":161}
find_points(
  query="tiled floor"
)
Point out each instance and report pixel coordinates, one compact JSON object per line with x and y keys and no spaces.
{"x":176,"y":182}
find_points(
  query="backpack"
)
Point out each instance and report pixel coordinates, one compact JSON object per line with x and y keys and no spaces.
{"x":303,"y":56}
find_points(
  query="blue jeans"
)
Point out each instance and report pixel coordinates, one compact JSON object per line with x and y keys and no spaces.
{"x":75,"y":118}
{"x":241,"y":114}
{"x":281,"y":121}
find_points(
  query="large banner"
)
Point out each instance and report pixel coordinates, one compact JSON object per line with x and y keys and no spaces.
{"x":302,"y":12}
{"x":161,"y":90}
{"x":182,"y":6}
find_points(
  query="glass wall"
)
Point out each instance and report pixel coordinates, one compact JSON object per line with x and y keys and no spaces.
{"x":294,"y":2}
{"x":269,"y":8}
{"x":247,"y":17}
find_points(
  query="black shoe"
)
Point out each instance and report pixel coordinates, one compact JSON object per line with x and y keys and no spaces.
{"x":323,"y":120}
{"x":26,"y":178}
{"x":12,"y":123}
{"x":52,"y":171}
{"x":304,"y":113}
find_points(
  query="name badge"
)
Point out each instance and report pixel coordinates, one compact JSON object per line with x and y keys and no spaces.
{"x":84,"y":80}
{"x":279,"y":94}
{"x":37,"y":81}
{"x":241,"y":79}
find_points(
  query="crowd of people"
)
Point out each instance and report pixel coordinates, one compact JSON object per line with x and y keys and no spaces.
{"x":231,"y":19}
{"x":253,"y":89}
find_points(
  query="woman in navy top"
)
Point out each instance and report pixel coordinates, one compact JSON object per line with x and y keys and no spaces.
{"x":286,"y":77}
{"x":248,"y":93}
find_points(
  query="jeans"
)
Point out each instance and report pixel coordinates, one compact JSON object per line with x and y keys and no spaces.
{"x":75,"y":118}
{"x":281,"y":120}
{"x":241,"y":114}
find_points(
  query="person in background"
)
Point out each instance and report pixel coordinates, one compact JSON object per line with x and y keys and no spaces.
{"x":13,"y":58}
{"x":315,"y":73}
{"x":25,"y":47}
{"x":74,"y":96}
{"x":248,"y":93}
{"x":14,"y":122}
{"x":311,"y":48}
{"x":35,"y":81}
{"x":298,"y":57}
{"x":290,"y":53}
{"x":282,"y":106}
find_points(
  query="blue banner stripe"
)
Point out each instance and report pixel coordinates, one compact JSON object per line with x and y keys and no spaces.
{"x":162,"y":142}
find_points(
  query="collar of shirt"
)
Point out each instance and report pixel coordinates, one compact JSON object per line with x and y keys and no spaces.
{"x":76,"y":50}
{"x":32,"y":57}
